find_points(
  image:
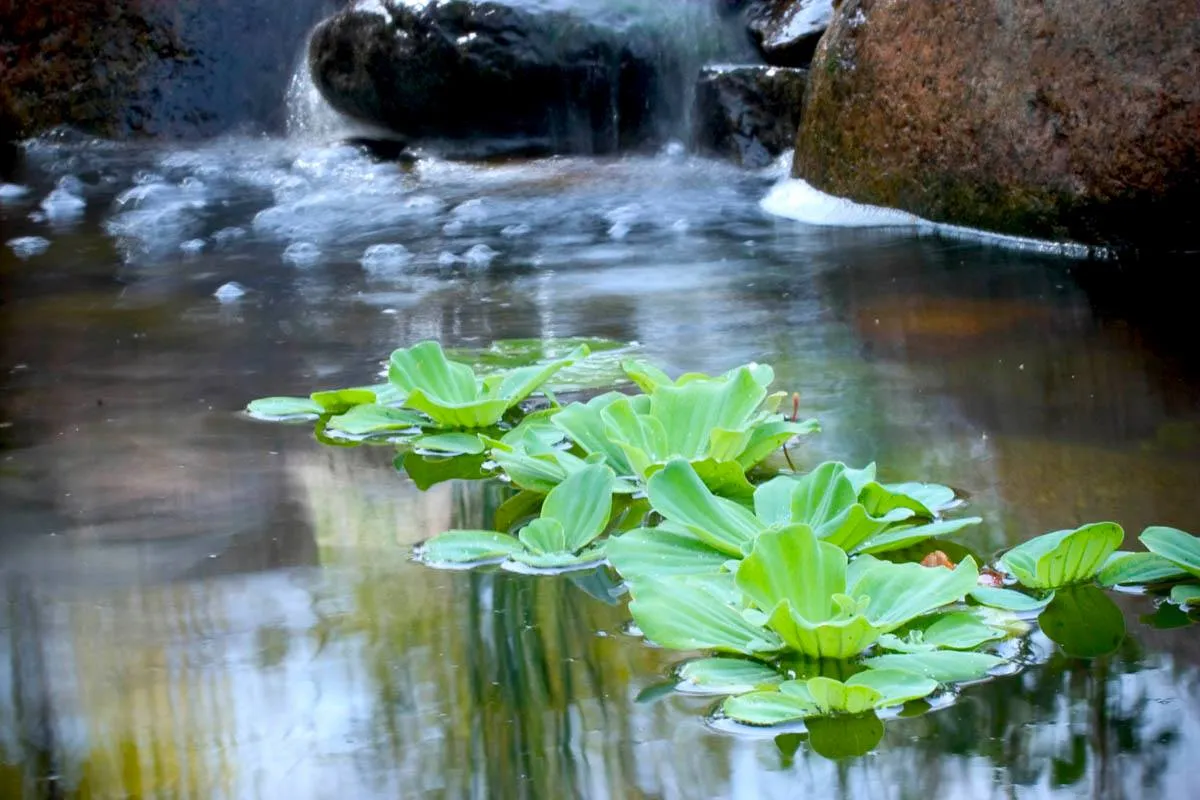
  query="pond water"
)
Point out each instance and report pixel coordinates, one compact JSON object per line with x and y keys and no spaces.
{"x":199,"y":605}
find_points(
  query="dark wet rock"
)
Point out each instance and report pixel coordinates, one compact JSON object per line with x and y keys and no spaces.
{"x":490,"y":72}
{"x":786,"y":32}
{"x":126,"y":68}
{"x":1073,"y":121}
{"x":748,"y":113}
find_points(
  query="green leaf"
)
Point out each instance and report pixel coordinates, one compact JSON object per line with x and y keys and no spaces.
{"x":893,"y":687}
{"x":773,"y":500}
{"x":727,"y":676}
{"x":1175,"y":546}
{"x":582,"y":505}
{"x":1124,"y":568}
{"x":544,"y":537}
{"x":468,"y":547}
{"x":933,"y":496}
{"x":584,"y":425}
{"x":943,"y":666}
{"x":426,"y":367}
{"x":426,"y":472}
{"x":956,"y":630}
{"x":791,"y":565}
{"x":822,"y":495}
{"x":835,"y":697}
{"x":662,"y":552}
{"x":519,"y":507}
{"x":451,"y":395}
{"x":1084,"y":622}
{"x":845,"y":637}
{"x":1062,"y":558}
{"x":680,"y":496}
{"x":647,"y":376}
{"x":880,"y":501}
{"x":454,"y":444}
{"x":560,"y":561}
{"x":766,"y":438}
{"x":1008,"y":599}
{"x":679,"y":615}
{"x":1186,"y":595}
{"x":339,"y":400}
{"x":900,"y":537}
{"x":725,"y":479}
{"x":284,"y":408}
{"x":854,"y":526}
{"x":902,"y":592}
{"x":768,"y":708}
{"x":368,"y":419}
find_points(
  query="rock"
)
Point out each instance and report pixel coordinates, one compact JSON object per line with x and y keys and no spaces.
{"x":1072,"y":121}
{"x":495,"y":75}
{"x":786,"y":32}
{"x":748,"y":113}
{"x":170,"y":68}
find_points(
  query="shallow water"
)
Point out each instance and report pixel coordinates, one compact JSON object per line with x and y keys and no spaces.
{"x":198,"y":605}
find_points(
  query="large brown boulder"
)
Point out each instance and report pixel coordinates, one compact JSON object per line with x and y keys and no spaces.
{"x":122,"y":68}
{"x":1069,"y":120}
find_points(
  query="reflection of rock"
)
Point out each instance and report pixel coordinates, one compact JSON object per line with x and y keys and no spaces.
{"x":748,"y":113}
{"x":483,"y":70}
{"x":787,"y":31}
{"x":1069,"y":121}
{"x":148,"y":67}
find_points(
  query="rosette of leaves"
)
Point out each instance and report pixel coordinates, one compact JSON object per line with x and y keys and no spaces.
{"x":843,"y":507}
{"x":722,"y":426}
{"x":563,"y":536}
{"x":864,"y":692}
{"x":317,"y":404}
{"x":1063,"y":558}
{"x":797,"y":593}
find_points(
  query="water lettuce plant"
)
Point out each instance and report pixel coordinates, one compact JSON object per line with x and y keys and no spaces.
{"x":572,"y":517}
{"x":814,"y":596}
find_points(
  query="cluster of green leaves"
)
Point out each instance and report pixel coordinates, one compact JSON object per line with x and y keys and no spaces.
{"x":804,"y":589}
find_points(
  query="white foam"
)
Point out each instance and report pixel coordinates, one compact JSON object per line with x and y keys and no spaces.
{"x":513,"y":231}
{"x":385,"y":257}
{"x":12,"y":191}
{"x":796,"y":199}
{"x":228,"y":292}
{"x":302,"y":254}
{"x":156,"y":217}
{"x":227,"y":235}
{"x":480,"y":256}
{"x":192,"y":246}
{"x":64,"y":203}
{"x":28,"y":246}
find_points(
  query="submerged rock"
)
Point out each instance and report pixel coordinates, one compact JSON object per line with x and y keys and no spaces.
{"x":748,"y":113}
{"x":123,"y":68}
{"x":786,"y":32}
{"x":1072,"y":121}
{"x":499,"y":76}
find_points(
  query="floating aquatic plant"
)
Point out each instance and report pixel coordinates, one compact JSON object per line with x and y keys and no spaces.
{"x":804,"y":589}
{"x":572,"y":517}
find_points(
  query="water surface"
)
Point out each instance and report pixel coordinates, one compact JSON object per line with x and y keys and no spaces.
{"x":198,"y":605}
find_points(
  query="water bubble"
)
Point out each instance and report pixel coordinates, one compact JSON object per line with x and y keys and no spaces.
{"x":385,"y":257}
{"x":520,"y":229}
{"x":63,"y":204}
{"x":480,"y":256}
{"x":227,"y":235}
{"x":302,"y":254}
{"x":12,"y":191}
{"x":192,"y":246}
{"x":228,"y":292}
{"x":28,"y":246}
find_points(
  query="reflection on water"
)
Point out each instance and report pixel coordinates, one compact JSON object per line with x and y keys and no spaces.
{"x":196,"y":605}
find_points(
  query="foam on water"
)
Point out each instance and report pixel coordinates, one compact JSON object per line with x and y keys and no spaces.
{"x":385,"y":257}
{"x":12,"y":191}
{"x":25,"y":247}
{"x":228,"y":292}
{"x":65,"y":203}
{"x":797,"y":199}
